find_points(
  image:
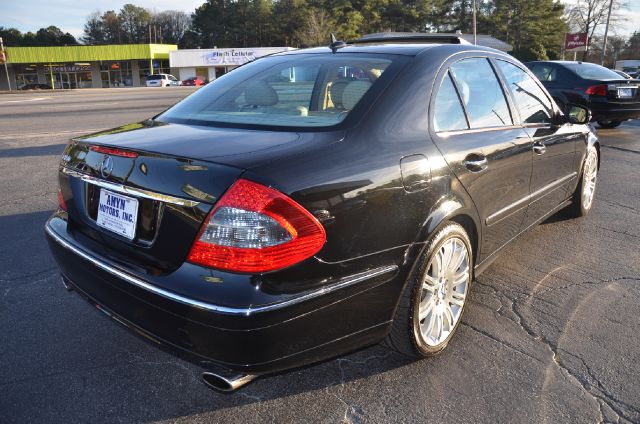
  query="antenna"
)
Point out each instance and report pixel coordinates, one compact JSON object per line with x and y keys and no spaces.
{"x":336,"y":44}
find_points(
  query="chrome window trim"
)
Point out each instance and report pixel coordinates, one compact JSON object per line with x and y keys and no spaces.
{"x":209,"y":307}
{"x":138,"y":192}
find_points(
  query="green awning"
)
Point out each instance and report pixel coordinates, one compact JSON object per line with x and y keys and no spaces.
{"x":88,"y":53}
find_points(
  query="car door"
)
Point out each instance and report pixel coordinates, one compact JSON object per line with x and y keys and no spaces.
{"x":553,"y":144}
{"x":473,"y":128}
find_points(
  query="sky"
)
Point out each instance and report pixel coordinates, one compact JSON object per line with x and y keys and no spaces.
{"x":70,"y":15}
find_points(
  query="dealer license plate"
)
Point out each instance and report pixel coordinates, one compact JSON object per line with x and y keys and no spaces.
{"x":117,"y":213}
{"x":625,"y":93}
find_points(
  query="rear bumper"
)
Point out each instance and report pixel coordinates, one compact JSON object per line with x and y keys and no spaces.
{"x":258,"y":339}
{"x":615,"y":111}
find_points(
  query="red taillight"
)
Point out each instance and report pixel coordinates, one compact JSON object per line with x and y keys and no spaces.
{"x":597,"y":90}
{"x":61,"y":202}
{"x":256,"y":229}
{"x":114,"y":152}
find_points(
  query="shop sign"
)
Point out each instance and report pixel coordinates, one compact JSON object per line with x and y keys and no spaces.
{"x":229,"y":57}
{"x":575,"y":42}
{"x":71,"y":68}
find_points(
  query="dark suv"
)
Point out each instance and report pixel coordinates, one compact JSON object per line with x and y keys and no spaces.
{"x":314,"y":202}
{"x":611,"y":98}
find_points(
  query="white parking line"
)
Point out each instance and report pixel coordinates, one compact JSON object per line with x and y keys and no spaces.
{"x":45,"y":134}
{"x":35,"y":99}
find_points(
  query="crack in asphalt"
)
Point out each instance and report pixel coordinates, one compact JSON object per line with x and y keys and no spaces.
{"x":47,"y":273}
{"x":597,"y":391}
{"x":353,"y":414}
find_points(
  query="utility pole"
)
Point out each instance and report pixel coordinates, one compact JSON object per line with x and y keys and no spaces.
{"x":606,"y":32}
{"x":4,"y":59}
{"x":475,"y":36}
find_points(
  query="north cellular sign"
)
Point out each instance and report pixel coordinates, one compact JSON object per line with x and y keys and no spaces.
{"x":229,"y":57}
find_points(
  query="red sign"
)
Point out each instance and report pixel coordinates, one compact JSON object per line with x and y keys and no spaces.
{"x":575,"y":42}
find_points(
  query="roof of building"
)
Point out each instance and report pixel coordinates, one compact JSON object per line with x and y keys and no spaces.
{"x":111,"y":52}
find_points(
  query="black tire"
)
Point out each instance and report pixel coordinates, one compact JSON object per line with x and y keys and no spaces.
{"x":579,"y":207}
{"x":609,"y":124}
{"x":405,"y":335}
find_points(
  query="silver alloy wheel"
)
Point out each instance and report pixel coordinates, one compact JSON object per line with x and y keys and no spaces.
{"x":444,"y":290}
{"x":589,"y":176}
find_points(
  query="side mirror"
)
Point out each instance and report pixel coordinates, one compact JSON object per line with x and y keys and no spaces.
{"x":578,"y":114}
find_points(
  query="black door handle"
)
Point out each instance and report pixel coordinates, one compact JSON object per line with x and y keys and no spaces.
{"x":539,"y":148}
{"x":476,"y":162}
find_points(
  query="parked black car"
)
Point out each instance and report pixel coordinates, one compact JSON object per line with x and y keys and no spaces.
{"x":611,"y":97}
{"x":35,"y":86}
{"x":289,"y":212}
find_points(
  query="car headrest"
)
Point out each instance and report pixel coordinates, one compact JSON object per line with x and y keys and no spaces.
{"x":260,"y":93}
{"x":353,"y":92}
{"x":336,"y":90}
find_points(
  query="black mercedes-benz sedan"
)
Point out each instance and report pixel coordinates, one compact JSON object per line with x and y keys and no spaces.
{"x":611,"y":98}
{"x":314,"y":202}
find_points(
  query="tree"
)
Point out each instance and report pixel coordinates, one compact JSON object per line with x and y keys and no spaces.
{"x":49,"y":36}
{"x":135,"y":21}
{"x":172,"y":25}
{"x":534,"y":28}
{"x":316,"y":29}
{"x":94,"y":32}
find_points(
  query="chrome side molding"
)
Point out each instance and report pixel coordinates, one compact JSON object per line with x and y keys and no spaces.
{"x":117,"y":272}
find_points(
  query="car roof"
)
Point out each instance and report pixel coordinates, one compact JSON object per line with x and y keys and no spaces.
{"x":399,"y":48}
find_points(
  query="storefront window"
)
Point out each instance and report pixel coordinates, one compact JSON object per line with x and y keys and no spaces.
{"x":69,"y":75}
{"x":116,"y":74}
{"x":26,"y":74}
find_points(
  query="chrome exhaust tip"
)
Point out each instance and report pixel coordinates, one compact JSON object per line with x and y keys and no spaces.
{"x":226,"y":383}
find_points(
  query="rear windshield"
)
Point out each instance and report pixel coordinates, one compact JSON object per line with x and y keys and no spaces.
{"x":593,"y":71}
{"x":305,"y":90}
{"x":154,"y":77}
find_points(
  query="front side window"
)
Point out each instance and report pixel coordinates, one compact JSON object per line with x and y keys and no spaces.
{"x":481,"y":93}
{"x":448,"y":113}
{"x":292,"y":91}
{"x":532,"y":103}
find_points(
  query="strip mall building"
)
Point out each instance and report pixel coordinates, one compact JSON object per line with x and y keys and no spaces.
{"x":125,"y":65}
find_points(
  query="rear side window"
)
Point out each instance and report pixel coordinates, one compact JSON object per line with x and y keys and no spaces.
{"x":154,"y":77}
{"x":481,"y":93}
{"x":448,"y":112}
{"x":545,"y":73}
{"x":532,"y":103}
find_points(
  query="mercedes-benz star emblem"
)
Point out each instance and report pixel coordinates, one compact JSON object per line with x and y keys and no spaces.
{"x":107,"y":167}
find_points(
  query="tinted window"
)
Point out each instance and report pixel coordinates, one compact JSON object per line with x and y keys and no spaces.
{"x":592,"y":71}
{"x":545,"y":72}
{"x":154,"y":77}
{"x":481,"y":93}
{"x":293,"y":91}
{"x":448,"y":113}
{"x":533,"y":104}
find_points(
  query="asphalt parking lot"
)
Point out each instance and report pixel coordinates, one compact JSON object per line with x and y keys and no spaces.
{"x":550,"y":335}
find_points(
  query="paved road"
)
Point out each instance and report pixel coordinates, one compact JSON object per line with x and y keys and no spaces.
{"x":550,"y":335}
